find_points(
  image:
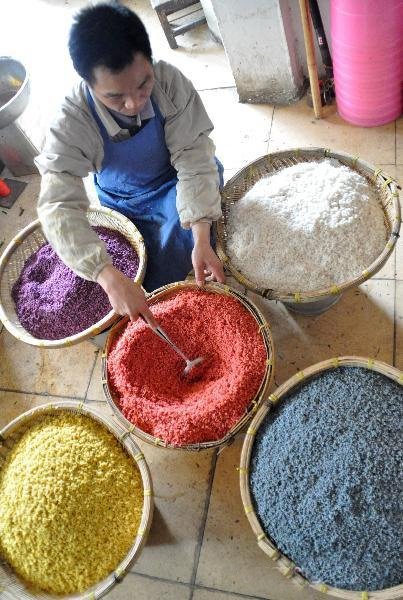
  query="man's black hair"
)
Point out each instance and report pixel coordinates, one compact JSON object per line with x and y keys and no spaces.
{"x":106,"y":35}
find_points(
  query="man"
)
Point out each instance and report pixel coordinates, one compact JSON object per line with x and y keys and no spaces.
{"x":142,"y":129}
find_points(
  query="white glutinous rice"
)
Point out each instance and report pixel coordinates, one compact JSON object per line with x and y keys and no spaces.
{"x":306,"y":227}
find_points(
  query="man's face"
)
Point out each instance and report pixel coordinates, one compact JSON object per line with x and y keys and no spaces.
{"x":127,"y":91}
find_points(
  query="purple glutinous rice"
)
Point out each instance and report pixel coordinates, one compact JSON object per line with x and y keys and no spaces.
{"x":52,"y":302}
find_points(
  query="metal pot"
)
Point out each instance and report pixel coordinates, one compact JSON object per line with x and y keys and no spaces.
{"x":14,"y":90}
{"x":16,"y":150}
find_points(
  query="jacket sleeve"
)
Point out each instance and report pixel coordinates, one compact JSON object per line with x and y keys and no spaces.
{"x":72,"y":149}
{"x":187,"y":129}
{"x":62,"y":207}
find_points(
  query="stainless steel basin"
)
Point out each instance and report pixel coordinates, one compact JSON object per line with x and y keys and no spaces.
{"x":16,"y":151}
{"x":14,"y":90}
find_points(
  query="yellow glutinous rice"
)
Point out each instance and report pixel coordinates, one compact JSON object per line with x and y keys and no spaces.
{"x":70,"y":504}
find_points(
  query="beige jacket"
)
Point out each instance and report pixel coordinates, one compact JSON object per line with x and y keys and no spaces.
{"x":74,"y":148}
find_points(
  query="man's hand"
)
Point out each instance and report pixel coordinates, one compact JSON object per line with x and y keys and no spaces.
{"x":205,"y":261}
{"x":125,"y":296}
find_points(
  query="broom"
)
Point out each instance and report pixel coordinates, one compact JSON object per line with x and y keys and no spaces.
{"x":311,"y":59}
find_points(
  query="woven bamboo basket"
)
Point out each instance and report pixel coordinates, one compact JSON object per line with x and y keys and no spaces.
{"x":10,"y":584}
{"x":28,"y":241}
{"x":284,"y":564}
{"x":162,"y":294}
{"x":384,"y":185}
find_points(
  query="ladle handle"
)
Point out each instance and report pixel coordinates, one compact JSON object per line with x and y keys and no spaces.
{"x":161,"y":333}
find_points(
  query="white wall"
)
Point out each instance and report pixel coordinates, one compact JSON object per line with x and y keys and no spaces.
{"x":265,"y":46}
{"x":212,"y":20}
{"x":259,"y":40}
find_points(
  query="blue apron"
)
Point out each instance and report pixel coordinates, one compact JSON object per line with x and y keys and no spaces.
{"x":138,"y":180}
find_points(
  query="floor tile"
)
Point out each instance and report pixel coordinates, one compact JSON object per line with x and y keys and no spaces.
{"x":64,"y":371}
{"x":201,"y":594}
{"x":95,"y":391}
{"x":388,"y":271}
{"x":241,"y":131}
{"x":232,"y":282}
{"x":399,"y":141}
{"x":180,"y":481}
{"x":396,"y":171}
{"x":242,"y":567}
{"x":399,"y":325}
{"x":103,"y":407}
{"x":229,"y":173}
{"x":399,"y":257}
{"x":296,"y":127}
{"x":23,"y":212}
{"x":199,"y":56}
{"x":141,"y":588}
{"x":361,"y":324}
{"x":13,"y":404}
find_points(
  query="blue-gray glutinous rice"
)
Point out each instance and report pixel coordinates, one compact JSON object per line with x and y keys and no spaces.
{"x":326,"y":479}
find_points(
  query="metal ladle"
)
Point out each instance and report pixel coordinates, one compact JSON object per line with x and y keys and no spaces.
{"x":164,"y":336}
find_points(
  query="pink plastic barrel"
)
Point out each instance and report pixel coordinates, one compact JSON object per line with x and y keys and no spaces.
{"x":367,"y":44}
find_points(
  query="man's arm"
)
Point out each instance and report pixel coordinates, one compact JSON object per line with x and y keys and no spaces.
{"x":72,"y":149}
{"x":62,"y":211}
{"x":205,"y":261}
{"x":187,"y":129}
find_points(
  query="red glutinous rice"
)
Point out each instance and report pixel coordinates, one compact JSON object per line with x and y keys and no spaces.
{"x":147,"y":375}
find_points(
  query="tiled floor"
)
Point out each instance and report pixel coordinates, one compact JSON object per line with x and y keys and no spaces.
{"x":201,"y":546}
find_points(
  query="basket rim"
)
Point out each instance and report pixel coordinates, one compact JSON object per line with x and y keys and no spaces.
{"x":101,"y":588}
{"x":300,"y":296}
{"x":282,"y":562}
{"x":265,"y":332}
{"x":20,"y":333}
